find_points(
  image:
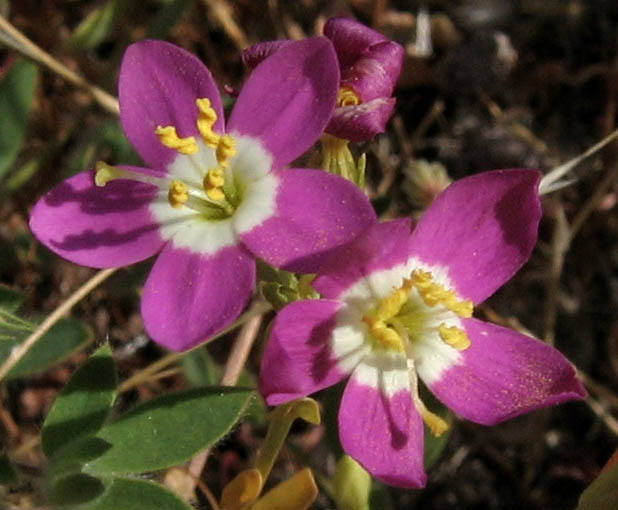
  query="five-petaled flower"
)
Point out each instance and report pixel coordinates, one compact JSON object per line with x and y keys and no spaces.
{"x":370,"y":66}
{"x":212,"y":198}
{"x":397,"y":306}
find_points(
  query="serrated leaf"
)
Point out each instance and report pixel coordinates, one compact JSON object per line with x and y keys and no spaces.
{"x":83,"y":404}
{"x":16,"y":96}
{"x":75,"y":489}
{"x":130,"y":494}
{"x":64,"y":338}
{"x":95,"y":27}
{"x":169,"y":429}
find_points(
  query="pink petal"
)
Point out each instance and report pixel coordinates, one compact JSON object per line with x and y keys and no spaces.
{"x":361,"y":122}
{"x":376,"y":71}
{"x":98,"y":227}
{"x":158,"y":85}
{"x":482,"y":229}
{"x":188,"y":297}
{"x":350,"y":39}
{"x":382,"y":246}
{"x":298,"y":359}
{"x":289,"y":98}
{"x":383,"y":433}
{"x":504,"y":374}
{"x":255,"y":53}
{"x":316,"y":213}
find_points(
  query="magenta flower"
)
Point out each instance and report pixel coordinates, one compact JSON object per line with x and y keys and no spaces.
{"x":397,"y":305}
{"x":211,"y":200}
{"x":370,"y":66}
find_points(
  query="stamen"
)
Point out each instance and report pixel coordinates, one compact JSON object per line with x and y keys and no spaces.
{"x":454,"y":336}
{"x":225,"y":149}
{"x":168,"y":137}
{"x":386,"y":310}
{"x":105,"y":173}
{"x":213,"y":183}
{"x":436,"y":425}
{"x":205,"y":121}
{"x":347,"y":97}
{"x":387,"y":337}
{"x":390,"y":306}
{"x":178,"y":194}
{"x":434,"y":294}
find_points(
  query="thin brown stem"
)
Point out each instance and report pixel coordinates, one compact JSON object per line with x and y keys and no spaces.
{"x":146,"y":374}
{"x":231,"y":373}
{"x":12,"y":37}
{"x":20,"y":351}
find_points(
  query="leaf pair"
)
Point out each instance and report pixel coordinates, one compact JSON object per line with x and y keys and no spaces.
{"x":89,"y":457}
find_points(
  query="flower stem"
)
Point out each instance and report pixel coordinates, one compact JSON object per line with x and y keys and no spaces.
{"x":19,"y":352}
{"x":235,"y":363}
{"x":146,"y":374}
{"x":12,"y":37}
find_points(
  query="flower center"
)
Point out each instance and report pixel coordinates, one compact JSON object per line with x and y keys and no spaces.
{"x":216,"y":196}
{"x":420,"y":307}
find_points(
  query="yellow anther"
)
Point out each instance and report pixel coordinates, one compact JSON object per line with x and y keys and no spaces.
{"x":215,"y":194}
{"x":347,"y":97}
{"x":454,"y":336}
{"x":225,"y":149}
{"x":215,"y":178}
{"x":436,"y":425}
{"x":387,"y":337}
{"x":178,"y":194}
{"x":434,"y":294}
{"x":205,"y":121}
{"x":169,"y":137}
{"x":390,"y":306}
{"x":105,"y":173}
{"x":213,"y":183}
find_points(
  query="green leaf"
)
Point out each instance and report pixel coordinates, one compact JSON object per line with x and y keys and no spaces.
{"x":71,"y":458}
{"x":380,"y":497}
{"x":24,"y":173}
{"x":130,"y":494}
{"x":16,"y":95}
{"x":83,"y":404}
{"x":603,"y":491}
{"x":95,"y":27}
{"x":64,"y":338}
{"x":8,"y":474}
{"x":169,"y":429}
{"x":166,"y":18}
{"x":75,"y":489}
{"x":200,"y":369}
{"x":10,"y":300}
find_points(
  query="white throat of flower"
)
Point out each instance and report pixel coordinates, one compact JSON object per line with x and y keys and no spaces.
{"x":218,"y":186}
{"x":419,"y":308}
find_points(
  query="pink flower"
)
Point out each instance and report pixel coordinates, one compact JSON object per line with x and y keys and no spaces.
{"x":370,"y":66}
{"x":397,"y":306}
{"x":213,"y":198}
